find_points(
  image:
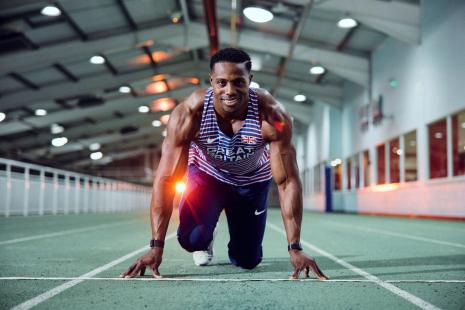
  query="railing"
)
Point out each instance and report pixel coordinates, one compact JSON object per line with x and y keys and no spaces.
{"x":27,"y":189}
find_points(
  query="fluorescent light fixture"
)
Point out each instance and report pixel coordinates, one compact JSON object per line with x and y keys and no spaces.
{"x":156,"y":123}
{"x":258,"y":15}
{"x":97,"y":60}
{"x":94,"y":146}
{"x":256,"y":62}
{"x":59,"y":141}
{"x":50,"y":11}
{"x":40,"y":112}
{"x":56,"y":129}
{"x":2,"y":116}
{"x":254,"y":85}
{"x":144,"y":109}
{"x":317,"y":70}
{"x":96,"y":155}
{"x":300,"y":98}
{"x":124,"y":89}
{"x":347,"y":22}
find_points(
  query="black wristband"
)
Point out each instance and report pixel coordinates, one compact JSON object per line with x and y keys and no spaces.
{"x":294,"y":246}
{"x":157,"y":243}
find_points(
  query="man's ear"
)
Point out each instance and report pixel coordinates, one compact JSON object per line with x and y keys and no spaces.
{"x":211,"y":79}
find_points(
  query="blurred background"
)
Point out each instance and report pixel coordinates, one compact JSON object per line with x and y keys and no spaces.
{"x":375,"y":89}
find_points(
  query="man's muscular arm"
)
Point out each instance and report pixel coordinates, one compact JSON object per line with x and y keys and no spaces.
{"x":180,"y":131}
{"x":277,"y":128}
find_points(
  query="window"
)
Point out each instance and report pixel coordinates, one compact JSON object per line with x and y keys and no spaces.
{"x":356,"y":170}
{"x":380,"y":155}
{"x":394,"y":160}
{"x":458,"y":142}
{"x":349,"y":174}
{"x":317,"y":178}
{"x":410,"y":148}
{"x":437,"y":135}
{"x":366,"y":168}
{"x":337,"y":174}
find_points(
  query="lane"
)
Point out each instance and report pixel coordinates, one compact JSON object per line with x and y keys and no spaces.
{"x":423,"y":304}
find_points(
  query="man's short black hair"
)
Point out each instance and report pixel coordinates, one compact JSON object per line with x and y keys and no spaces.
{"x":233,"y":55}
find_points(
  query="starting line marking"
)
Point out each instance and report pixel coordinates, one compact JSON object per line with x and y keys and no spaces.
{"x":394,"y":289}
{"x":64,"y":232}
{"x":28,"y":304}
{"x":220,"y":280}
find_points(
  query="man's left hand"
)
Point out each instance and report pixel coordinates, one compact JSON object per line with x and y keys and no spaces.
{"x":303,"y":262}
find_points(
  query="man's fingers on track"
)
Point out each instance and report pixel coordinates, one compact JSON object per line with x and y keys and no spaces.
{"x":134,"y":271}
{"x":155,"y":273}
{"x":296,"y":274}
{"x":142,"y":271}
{"x":125,"y":274}
{"x":318,"y":272}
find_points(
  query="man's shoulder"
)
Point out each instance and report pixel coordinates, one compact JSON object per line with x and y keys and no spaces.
{"x":194,"y":102}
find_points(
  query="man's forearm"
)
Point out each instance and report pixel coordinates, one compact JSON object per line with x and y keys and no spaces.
{"x":161,"y":208}
{"x":291,"y":210}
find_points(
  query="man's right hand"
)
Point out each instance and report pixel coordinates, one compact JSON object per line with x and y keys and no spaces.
{"x":151,"y":259}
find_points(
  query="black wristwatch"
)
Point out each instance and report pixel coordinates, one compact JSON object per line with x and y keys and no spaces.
{"x":157,"y":243}
{"x":294,"y":246}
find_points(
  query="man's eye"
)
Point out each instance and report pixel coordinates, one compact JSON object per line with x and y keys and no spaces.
{"x":239,"y":83}
{"x":221,"y":83}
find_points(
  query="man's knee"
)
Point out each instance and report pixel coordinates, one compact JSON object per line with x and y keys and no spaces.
{"x":196,"y":239}
{"x":246,"y":262}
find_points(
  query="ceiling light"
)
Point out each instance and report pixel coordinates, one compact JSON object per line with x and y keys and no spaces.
{"x":256,"y":62}
{"x":347,"y":22}
{"x":124,"y":89}
{"x":162,"y":104}
{"x":59,"y":141}
{"x":176,"y":17}
{"x":94,"y":146}
{"x":56,"y":129}
{"x":300,"y":98}
{"x":156,"y":123}
{"x":317,"y":70}
{"x":40,"y":112}
{"x":96,"y":155}
{"x":399,"y":152}
{"x":336,"y":162}
{"x":97,"y":60}
{"x":164,"y":119}
{"x":2,"y":116}
{"x":254,"y":85}
{"x":438,"y":135}
{"x":258,"y":15}
{"x":144,"y":109}
{"x":50,"y":11}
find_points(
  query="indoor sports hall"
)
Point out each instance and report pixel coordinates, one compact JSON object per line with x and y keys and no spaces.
{"x":375,"y":94}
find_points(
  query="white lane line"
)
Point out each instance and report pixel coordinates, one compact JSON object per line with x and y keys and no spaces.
{"x":391,"y":233}
{"x":218,"y":280}
{"x":61,"y":288}
{"x":394,"y":289}
{"x":64,"y":232}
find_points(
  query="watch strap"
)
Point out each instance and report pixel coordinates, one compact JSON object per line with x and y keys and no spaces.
{"x":294,"y":246}
{"x":157,"y":243}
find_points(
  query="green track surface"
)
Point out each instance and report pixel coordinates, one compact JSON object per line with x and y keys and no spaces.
{"x":359,"y":240}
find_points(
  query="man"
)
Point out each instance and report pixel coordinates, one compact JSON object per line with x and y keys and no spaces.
{"x":221,"y":135}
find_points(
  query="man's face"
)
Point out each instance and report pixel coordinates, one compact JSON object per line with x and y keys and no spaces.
{"x":230,"y":82}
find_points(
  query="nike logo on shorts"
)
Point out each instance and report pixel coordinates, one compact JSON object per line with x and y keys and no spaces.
{"x":259,"y":212}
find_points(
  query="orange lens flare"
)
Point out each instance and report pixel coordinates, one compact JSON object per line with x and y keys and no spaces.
{"x":180,"y":187}
{"x":279,"y":125}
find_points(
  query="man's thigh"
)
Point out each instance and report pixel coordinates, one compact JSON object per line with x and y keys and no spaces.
{"x":200,"y":208}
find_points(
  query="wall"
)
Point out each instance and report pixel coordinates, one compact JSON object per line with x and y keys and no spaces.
{"x":431,"y":79}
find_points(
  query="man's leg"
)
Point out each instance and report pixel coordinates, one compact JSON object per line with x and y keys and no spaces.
{"x":199,"y":210}
{"x":246,"y":222}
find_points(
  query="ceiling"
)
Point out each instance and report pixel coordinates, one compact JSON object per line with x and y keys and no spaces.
{"x":161,"y":49}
